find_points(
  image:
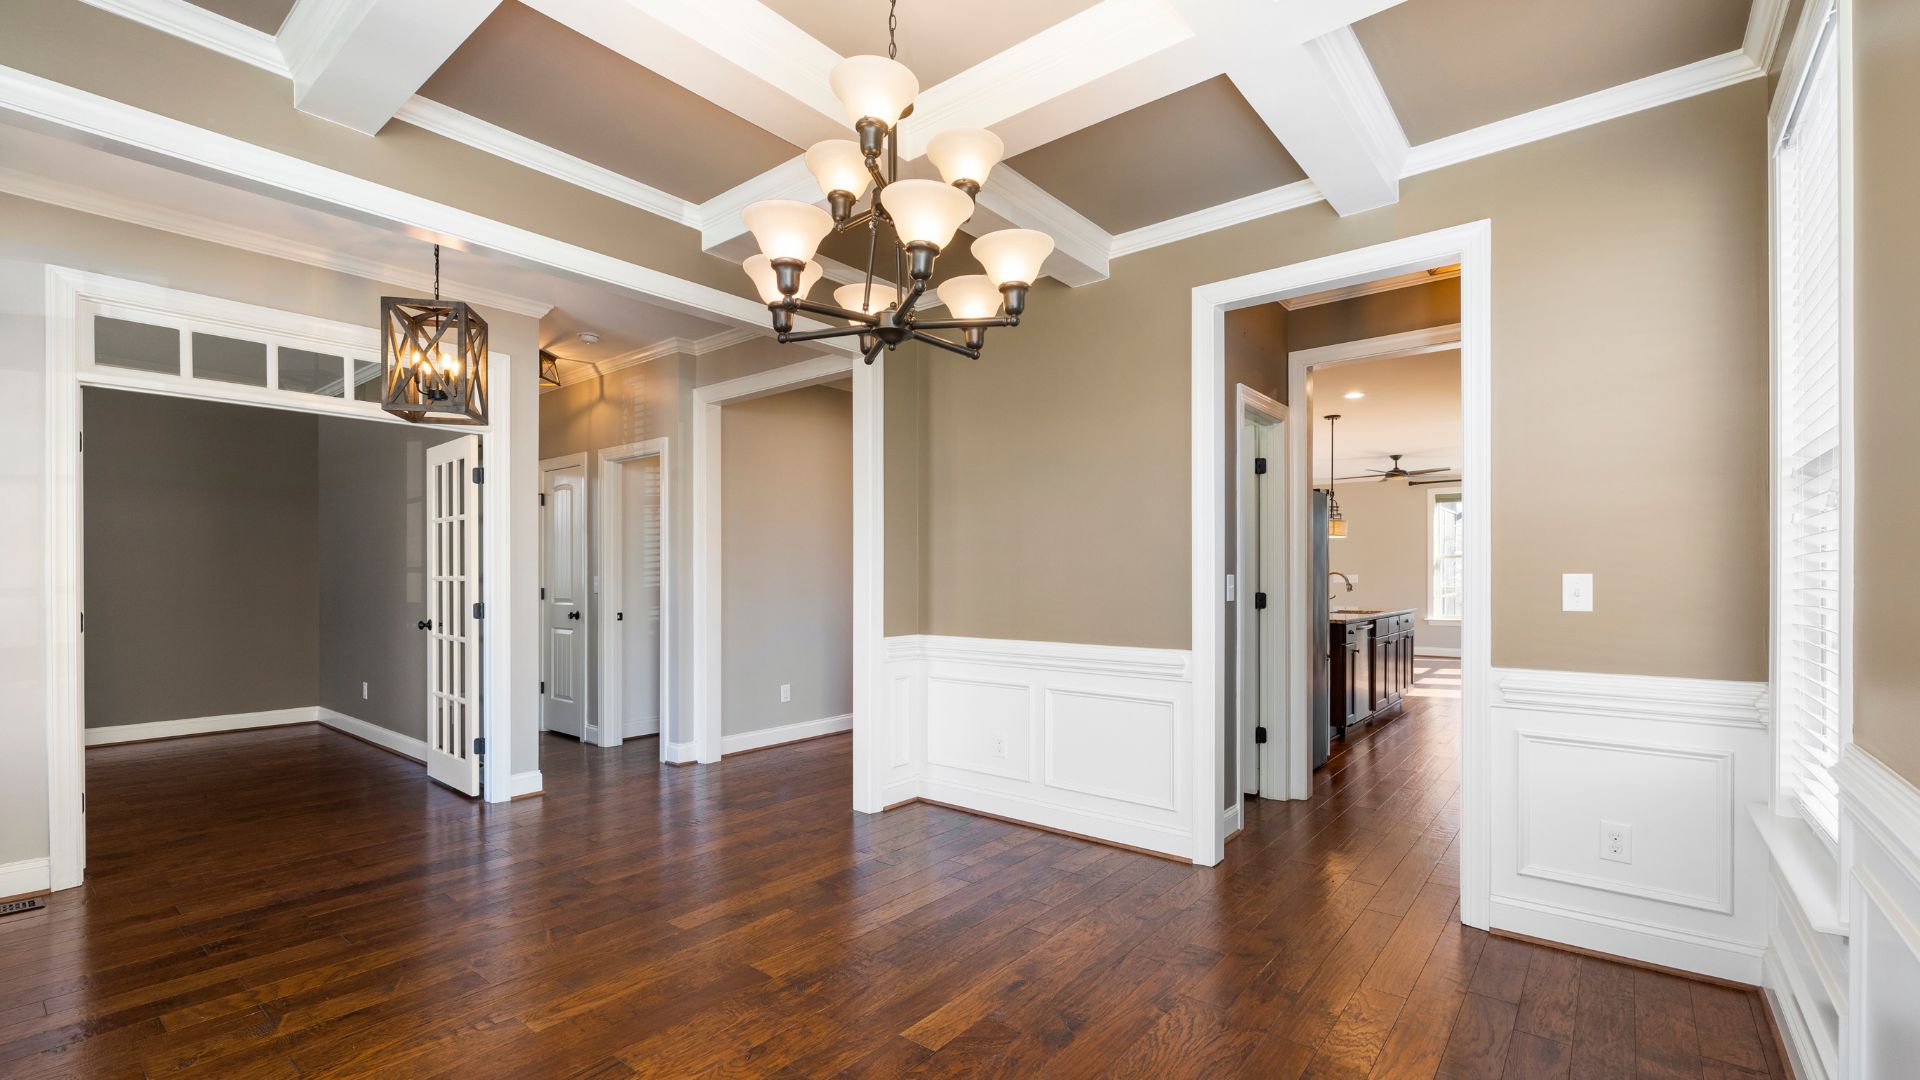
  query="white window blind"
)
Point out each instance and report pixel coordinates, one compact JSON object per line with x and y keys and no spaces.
{"x":1813,"y":521}
{"x":1447,"y":546}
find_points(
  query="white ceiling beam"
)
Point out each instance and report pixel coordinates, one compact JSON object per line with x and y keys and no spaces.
{"x":355,"y":62}
{"x":1317,"y":94}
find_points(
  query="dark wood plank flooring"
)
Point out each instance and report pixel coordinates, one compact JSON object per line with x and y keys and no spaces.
{"x":295,"y":903}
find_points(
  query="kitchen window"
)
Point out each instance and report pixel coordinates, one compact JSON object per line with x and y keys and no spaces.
{"x":1812,"y":434}
{"x":1446,"y":524}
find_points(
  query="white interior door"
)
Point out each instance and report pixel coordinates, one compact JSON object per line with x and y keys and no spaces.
{"x":453,"y":573}
{"x":639,"y":611}
{"x":564,"y":612}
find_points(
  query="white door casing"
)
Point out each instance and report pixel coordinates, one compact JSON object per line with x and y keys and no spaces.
{"x":453,"y":651}
{"x":566,"y":578}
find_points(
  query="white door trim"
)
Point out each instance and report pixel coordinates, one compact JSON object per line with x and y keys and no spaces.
{"x":613,"y":541}
{"x":1470,"y":245}
{"x":1251,"y":404}
{"x":588,"y":594}
{"x":869,"y":551}
{"x":67,"y":290}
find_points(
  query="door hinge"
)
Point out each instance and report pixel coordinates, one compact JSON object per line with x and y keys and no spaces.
{"x":543,"y":592}
{"x":479,"y":611}
{"x":83,"y":442}
{"x":1259,"y":466}
{"x":1259,"y":600}
{"x":480,"y":746}
{"x":543,"y":686}
{"x":479,"y":475}
{"x":543,"y":498}
{"x":1259,"y":734}
{"x":83,"y":622}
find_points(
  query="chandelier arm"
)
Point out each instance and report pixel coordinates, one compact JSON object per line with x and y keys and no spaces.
{"x":822,"y":335}
{"x":855,"y":222}
{"x":911,"y":298}
{"x":942,"y":343}
{"x":964,"y":324}
{"x":814,"y":307}
{"x":873,"y":351}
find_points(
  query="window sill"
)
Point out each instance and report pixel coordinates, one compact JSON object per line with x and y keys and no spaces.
{"x":1804,"y":866}
{"x":1441,"y":619}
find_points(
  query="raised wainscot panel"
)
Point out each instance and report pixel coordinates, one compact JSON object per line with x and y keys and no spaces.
{"x":1116,"y":746}
{"x":980,"y":725}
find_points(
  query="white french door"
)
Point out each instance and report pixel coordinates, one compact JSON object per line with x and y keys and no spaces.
{"x":453,"y":576}
{"x":563,"y":625}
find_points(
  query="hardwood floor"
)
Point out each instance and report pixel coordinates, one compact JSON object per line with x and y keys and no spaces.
{"x":295,"y":903}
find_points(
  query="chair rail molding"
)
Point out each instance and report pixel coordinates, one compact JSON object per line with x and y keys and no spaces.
{"x":1653,"y":697}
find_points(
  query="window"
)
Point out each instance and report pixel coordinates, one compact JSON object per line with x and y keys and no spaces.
{"x":1446,"y":522}
{"x":1811,"y":425}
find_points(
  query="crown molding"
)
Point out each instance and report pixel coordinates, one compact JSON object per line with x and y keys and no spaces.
{"x":204,"y":28}
{"x":1664,"y":88}
{"x":1258,"y":205}
{"x":461,"y":127}
{"x":1766,"y":28}
{"x":196,"y":227}
{"x":579,"y":371}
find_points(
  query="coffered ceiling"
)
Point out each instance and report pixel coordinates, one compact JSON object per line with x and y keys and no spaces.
{"x":1128,"y":123}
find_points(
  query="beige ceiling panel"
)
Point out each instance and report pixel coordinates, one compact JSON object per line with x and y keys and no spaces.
{"x":537,"y":78}
{"x":265,"y":15}
{"x":1187,"y":151}
{"x":1451,"y":65}
{"x":1411,"y":408}
{"x":938,"y":39}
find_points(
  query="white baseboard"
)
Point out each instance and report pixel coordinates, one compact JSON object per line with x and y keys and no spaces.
{"x":1420,"y":650}
{"x":681,"y":753}
{"x":25,"y":876}
{"x":525,"y":783}
{"x":1721,"y":958}
{"x":785,"y":733}
{"x":634,"y":729}
{"x":404,"y":745}
{"x":200,"y":725}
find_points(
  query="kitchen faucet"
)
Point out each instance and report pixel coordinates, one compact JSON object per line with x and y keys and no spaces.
{"x":1337,"y":574}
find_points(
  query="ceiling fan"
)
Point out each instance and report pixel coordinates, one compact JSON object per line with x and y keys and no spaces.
{"x":1398,"y":473}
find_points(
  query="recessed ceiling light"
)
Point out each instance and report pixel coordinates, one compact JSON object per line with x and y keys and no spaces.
{"x":1354,"y":395}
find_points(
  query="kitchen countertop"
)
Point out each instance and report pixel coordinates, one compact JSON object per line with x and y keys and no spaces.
{"x":1350,"y":617}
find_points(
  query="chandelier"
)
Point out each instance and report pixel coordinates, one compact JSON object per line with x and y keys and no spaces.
{"x":878,"y":92}
{"x":433,"y":358}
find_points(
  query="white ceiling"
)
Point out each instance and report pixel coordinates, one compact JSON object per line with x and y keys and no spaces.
{"x":41,"y":166}
{"x":1412,"y":408}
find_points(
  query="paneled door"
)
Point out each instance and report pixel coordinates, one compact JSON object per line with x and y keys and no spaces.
{"x":566,"y":580}
{"x":453,"y":577}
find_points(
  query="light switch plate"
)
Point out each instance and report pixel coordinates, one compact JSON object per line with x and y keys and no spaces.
{"x":1229,"y":588}
{"x":786,"y":692}
{"x":1576,"y":592}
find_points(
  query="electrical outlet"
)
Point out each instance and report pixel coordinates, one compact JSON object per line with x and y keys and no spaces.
{"x":786,"y":692}
{"x":1616,"y":842}
{"x":363,"y":691}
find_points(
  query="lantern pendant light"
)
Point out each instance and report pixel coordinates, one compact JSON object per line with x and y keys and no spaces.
{"x":1336,"y":521}
{"x":877,"y":93}
{"x":433,"y":358}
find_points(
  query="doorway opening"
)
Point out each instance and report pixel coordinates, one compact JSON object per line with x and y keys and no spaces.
{"x":1290,"y":753}
{"x":636,"y":609}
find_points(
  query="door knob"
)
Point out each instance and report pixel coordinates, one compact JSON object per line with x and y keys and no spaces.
{"x":619,"y":616}
{"x":423,"y":624}
{"x":573,"y":615}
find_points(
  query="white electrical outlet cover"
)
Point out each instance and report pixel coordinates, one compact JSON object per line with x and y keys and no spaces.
{"x":1616,"y":841}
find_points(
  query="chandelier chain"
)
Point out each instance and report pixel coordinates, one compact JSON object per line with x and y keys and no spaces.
{"x":436,"y":271}
{"x":893,"y":25}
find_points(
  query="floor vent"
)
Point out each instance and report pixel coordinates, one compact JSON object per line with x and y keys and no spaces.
{"x":15,"y":907}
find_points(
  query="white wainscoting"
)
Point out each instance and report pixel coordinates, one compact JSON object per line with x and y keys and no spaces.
{"x":785,"y":733}
{"x":1677,"y":761}
{"x":1088,"y":739}
{"x":199,"y":725}
{"x":1845,"y":996}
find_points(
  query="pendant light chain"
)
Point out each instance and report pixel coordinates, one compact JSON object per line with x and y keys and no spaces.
{"x":436,"y":271}
{"x":893,"y":25}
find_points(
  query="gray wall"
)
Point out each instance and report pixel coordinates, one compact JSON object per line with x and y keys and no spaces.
{"x":787,"y":558}
{"x":372,"y":562}
{"x":201,"y":555}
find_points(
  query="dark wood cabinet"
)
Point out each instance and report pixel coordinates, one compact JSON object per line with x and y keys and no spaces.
{"x":1372,"y":667}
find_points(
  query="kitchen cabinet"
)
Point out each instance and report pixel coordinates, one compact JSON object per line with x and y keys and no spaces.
{"x":1370,"y":665}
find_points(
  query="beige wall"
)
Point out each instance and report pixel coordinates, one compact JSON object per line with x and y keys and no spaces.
{"x":1886,"y":380}
{"x":1057,"y":465}
{"x":202,"y":559}
{"x":1397,"y":311}
{"x":1385,"y":552}
{"x":786,"y":540}
{"x":33,"y":235}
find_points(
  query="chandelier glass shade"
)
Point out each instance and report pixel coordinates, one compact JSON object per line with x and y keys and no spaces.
{"x":878,"y":93}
